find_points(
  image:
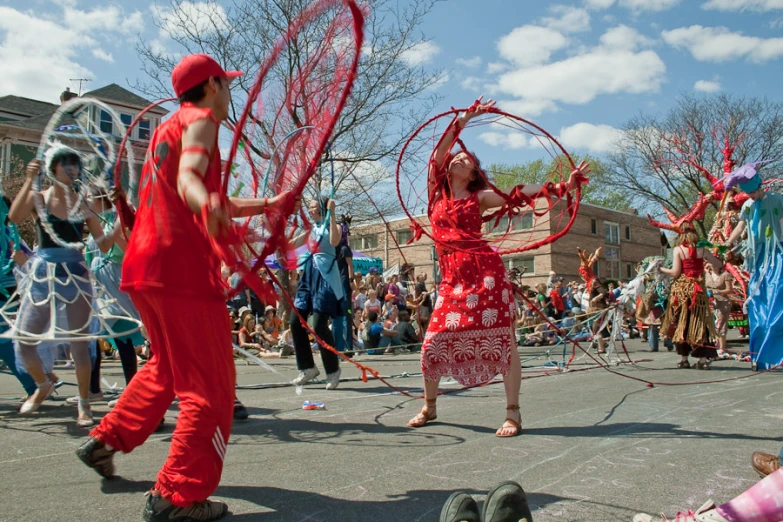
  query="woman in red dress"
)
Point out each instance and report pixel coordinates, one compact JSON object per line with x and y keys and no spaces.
{"x":471,"y":334}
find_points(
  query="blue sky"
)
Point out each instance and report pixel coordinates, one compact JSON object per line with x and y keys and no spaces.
{"x":580,"y":68}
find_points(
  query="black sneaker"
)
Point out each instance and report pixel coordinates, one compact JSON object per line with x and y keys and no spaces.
{"x":460,"y":507}
{"x":158,"y":509}
{"x":95,"y":455}
{"x":507,"y":502}
{"x":240,"y":412}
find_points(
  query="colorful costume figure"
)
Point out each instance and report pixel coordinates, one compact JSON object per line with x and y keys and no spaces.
{"x":342,"y":326}
{"x":761,"y":216}
{"x":107,"y":269}
{"x":470,"y":333}
{"x":689,"y":307}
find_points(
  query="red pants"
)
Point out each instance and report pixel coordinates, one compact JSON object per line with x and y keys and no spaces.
{"x":191,"y":358}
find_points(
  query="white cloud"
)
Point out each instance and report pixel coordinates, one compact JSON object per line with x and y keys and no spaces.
{"x":597,"y":139}
{"x":567,"y":19}
{"x":38,"y":55}
{"x":471,"y":83}
{"x":706,"y":86}
{"x":579,"y":79}
{"x":718,"y":44}
{"x":530,"y":44}
{"x":103,"y":55}
{"x":421,"y":53}
{"x":111,"y":18}
{"x":470,"y":63}
{"x":624,"y":37}
{"x":507,"y":141}
{"x":743,"y":5}
{"x":496,"y":67}
{"x":634,"y":5}
{"x":199,"y":17}
{"x":527,"y":108}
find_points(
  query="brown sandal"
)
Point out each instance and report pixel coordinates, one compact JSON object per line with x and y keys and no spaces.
{"x":684,"y":364}
{"x":702,"y":365}
{"x":514,"y":424}
{"x":424,"y":416}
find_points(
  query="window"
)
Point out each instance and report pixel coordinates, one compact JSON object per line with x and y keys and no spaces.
{"x":106,"y":123}
{"x":126,"y":119}
{"x":403,"y":236}
{"x":627,"y":233}
{"x":521,"y":222}
{"x":526,"y":265}
{"x":594,"y":227}
{"x":612,"y":263}
{"x":370,"y":242}
{"x":355,"y":243}
{"x":629,"y":271}
{"x":144,"y":129}
{"x":612,"y":233}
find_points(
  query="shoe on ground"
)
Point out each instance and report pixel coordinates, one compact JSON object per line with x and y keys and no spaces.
{"x":706,"y":513}
{"x":240,"y":412}
{"x":505,"y":502}
{"x":93,"y":397}
{"x":112,"y":403}
{"x":333,"y":380}
{"x":95,"y":455}
{"x":161,"y":425}
{"x":158,"y":509}
{"x":460,"y":507}
{"x":764,"y":463}
{"x":306,"y":376}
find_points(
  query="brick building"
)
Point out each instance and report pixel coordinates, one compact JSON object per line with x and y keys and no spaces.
{"x":626,"y":237}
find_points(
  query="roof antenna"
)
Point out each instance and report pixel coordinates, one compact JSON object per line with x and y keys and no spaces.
{"x":81,"y":81}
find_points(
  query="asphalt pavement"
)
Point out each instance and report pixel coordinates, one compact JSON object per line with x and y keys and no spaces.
{"x":595,"y":446}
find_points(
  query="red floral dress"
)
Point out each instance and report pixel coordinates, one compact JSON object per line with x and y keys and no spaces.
{"x":470,"y":335}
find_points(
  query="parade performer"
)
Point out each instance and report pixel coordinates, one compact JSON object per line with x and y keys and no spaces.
{"x":760,"y":217}
{"x":12,"y":254}
{"x":107,"y":268}
{"x":689,"y":308}
{"x":470,"y":335}
{"x":172,"y":274}
{"x":321,"y":293}
{"x":56,"y":292}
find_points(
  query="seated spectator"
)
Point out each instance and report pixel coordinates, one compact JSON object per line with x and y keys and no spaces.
{"x":376,"y":336}
{"x":269,"y":329}
{"x":372,"y":304}
{"x":247,"y":334}
{"x":407,"y":335}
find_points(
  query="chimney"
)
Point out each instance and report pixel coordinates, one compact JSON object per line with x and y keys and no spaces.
{"x":67,"y":95}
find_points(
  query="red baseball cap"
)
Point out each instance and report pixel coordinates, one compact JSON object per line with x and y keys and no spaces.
{"x":195,"y":69}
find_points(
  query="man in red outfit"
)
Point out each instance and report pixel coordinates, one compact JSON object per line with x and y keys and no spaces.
{"x":173,"y":276}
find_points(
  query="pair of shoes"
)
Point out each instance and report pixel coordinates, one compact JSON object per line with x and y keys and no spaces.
{"x":427,"y":414}
{"x":515,"y":426}
{"x":333,"y":380}
{"x":158,"y":509}
{"x":240,"y":412}
{"x":306,"y":376}
{"x":33,"y":402}
{"x":93,"y":398}
{"x":706,"y":513}
{"x":96,"y":456}
{"x":683,"y":364}
{"x":505,"y":502}
{"x":764,"y":463}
